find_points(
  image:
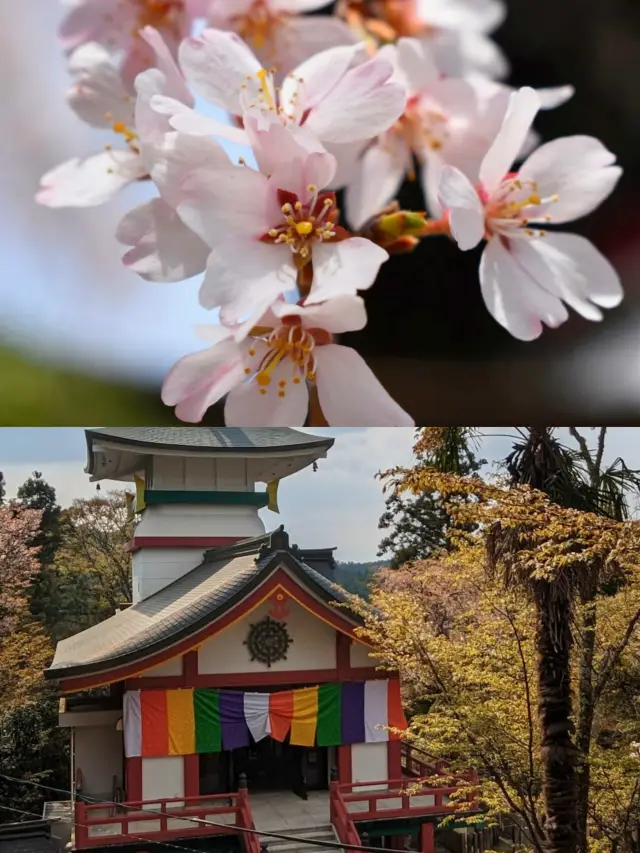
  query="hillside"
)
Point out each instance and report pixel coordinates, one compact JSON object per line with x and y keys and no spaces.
{"x":354,"y":577}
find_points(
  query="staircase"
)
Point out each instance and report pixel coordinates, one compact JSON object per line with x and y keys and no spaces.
{"x":308,"y":836}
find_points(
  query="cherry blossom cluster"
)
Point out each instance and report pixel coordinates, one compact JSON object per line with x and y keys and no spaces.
{"x":359,"y":100}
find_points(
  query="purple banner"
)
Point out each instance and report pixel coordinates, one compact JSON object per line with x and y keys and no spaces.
{"x":353,"y":712}
{"x":235,"y":732}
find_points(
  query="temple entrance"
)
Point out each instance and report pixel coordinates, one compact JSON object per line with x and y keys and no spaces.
{"x":274,"y":766}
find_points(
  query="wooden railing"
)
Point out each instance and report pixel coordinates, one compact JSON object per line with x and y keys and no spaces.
{"x":340,"y":818}
{"x":96,"y":825}
{"x":419,"y":764}
{"x":250,"y":841}
{"x":394,"y":798}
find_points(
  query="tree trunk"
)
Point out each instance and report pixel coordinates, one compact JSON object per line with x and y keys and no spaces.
{"x":553,"y":643}
{"x":586,"y":703}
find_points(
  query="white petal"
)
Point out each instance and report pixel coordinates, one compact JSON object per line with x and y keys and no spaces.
{"x":555,"y":96}
{"x":513,"y":297}
{"x":247,"y":407}
{"x":466,"y":215}
{"x":572,"y":268}
{"x":344,"y":267}
{"x":349,"y":393}
{"x":296,"y":7}
{"x":199,"y":380}
{"x":523,"y":107}
{"x":179,"y":155}
{"x":578,"y":169}
{"x":174,"y":84}
{"x":377,"y":179}
{"x":244,"y":278}
{"x":219,"y":204}
{"x":216,"y":65}
{"x":163,"y":247}
{"x":337,"y":315}
{"x":90,"y":182}
{"x":319,"y":74}
{"x":361,"y":105}
{"x":347,"y":162}
{"x":98,"y":91}
{"x":300,"y":38}
{"x":480,"y":15}
{"x":417,"y":63}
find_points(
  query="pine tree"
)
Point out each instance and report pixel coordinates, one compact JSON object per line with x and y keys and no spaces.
{"x":417,"y":526}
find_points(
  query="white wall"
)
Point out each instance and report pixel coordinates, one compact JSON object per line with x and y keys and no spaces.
{"x":196,"y":473}
{"x":99,"y":754}
{"x":359,"y":655}
{"x":313,"y":646}
{"x":163,"y":778}
{"x":170,"y":667}
{"x":369,"y":761}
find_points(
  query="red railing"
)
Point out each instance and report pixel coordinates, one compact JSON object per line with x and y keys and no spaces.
{"x":417,"y":763}
{"x":393,"y":798}
{"x":340,"y":818}
{"x":96,"y":825}
{"x":251,"y":842}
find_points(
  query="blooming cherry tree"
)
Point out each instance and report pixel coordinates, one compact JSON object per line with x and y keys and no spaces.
{"x":528,"y":274}
{"x":359,"y":96}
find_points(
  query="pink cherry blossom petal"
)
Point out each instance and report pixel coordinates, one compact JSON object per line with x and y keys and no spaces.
{"x":513,"y":297}
{"x":350,"y":394}
{"x":246,"y":406}
{"x":216,"y":65}
{"x":90,"y":182}
{"x":523,"y":108}
{"x":466,"y":212}
{"x":199,"y":380}
{"x":344,"y":268}
{"x":376,"y":180}
{"x":337,"y":315}
{"x":163,"y":248}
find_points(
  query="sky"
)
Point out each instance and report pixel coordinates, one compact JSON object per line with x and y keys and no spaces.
{"x":337,"y":506}
{"x":64,"y":292}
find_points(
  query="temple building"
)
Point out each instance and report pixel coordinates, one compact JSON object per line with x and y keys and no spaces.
{"x":232,"y":693}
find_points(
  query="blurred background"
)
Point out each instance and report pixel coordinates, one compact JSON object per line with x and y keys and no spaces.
{"x":84,"y":341}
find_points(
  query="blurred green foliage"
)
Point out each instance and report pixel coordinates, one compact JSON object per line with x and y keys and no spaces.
{"x":35,"y":393}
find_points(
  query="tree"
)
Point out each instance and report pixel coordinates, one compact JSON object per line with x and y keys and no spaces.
{"x":3,"y":488}
{"x":417,"y":525}
{"x":546,"y":551}
{"x":93,"y":569}
{"x":18,"y":562}
{"x":572,"y":478}
{"x":36,"y":493}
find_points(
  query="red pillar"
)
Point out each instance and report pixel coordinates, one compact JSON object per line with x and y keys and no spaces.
{"x":133,"y":771}
{"x":394,"y":759}
{"x":427,"y":838}
{"x":344,"y":764}
{"x":192,"y":775}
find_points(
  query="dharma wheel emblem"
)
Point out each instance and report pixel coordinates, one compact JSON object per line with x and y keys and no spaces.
{"x":268,"y":641}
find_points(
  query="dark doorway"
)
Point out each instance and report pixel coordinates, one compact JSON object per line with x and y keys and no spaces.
{"x":214,"y":773}
{"x":274,"y":766}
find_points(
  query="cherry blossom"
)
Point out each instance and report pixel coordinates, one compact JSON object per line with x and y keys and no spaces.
{"x":445,"y":120}
{"x":273,"y":230}
{"x":341,"y":95}
{"x":118,"y":24}
{"x":276,"y":30}
{"x":527,"y":274}
{"x":101,"y":98}
{"x":266,"y":377}
{"x":455,"y":31}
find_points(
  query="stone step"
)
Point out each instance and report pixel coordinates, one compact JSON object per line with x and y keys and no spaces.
{"x":306,"y":836}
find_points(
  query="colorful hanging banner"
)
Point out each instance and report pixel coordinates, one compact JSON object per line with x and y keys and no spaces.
{"x":184,"y":722}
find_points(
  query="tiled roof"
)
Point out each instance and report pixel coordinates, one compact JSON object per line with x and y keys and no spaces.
{"x":216,"y":438}
{"x":185,"y":606}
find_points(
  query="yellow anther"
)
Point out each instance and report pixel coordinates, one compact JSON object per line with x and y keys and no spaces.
{"x":304,"y":228}
{"x":296,"y":380}
{"x":534,"y":198}
{"x":108,"y":116}
{"x":263,"y":379}
{"x":312,"y":188}
{"x":281,"y":393}
{"x":263,"y":390}
{"x":119,"y":127}
{"x":252,"y":351}
{"x":247,"y":370}
{"x":264,"y":86}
